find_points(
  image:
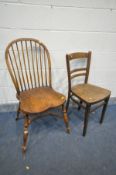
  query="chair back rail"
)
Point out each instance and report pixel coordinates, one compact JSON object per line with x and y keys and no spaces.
{"x":73,"y":73}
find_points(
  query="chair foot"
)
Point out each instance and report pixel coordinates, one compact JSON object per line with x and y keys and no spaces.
{"x":84,"y":134}
{"x":68,"y":130}
{"x":66,"y":120}
{"x":16,"y":118}
{"x":104,"y":110}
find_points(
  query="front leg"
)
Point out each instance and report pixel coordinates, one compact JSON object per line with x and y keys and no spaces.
{"x":104,"y":109}
{"x":87,"y":111}
{"x":66,"y":119}
{"x":25,"y":133}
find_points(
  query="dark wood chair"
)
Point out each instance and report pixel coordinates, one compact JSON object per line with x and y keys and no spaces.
{"x":85,"y":95}
{"x":29,"y":65}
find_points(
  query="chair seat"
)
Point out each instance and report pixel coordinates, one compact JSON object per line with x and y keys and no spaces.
{"x":90,"y":93}
{"x":40,"y":99}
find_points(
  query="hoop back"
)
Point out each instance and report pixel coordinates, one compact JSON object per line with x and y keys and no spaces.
{"x":28,"y":62}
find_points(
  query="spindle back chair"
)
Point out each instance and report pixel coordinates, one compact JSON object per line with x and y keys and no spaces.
{"x":85,"y":94}
{"x":29,"y":64}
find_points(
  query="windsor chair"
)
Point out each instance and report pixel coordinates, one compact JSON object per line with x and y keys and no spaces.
{"x":29,"y":65}
{"x":84,"y":94}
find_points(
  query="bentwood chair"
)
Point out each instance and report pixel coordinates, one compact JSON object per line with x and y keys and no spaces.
{"x":84,"y":94}
{"x":29,"y":65}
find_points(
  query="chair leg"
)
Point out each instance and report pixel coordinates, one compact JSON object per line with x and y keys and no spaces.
{"x":79,"y":107}
{"x":68,"y":100}
{"x":66,"y":119}
{"x":87,"y":111}
{"x":104,"y":110}
{"x":25,"y":133}
{"x":18,"y":112}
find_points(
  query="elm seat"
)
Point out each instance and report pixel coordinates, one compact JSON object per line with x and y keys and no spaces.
{"x":90,"y":93}
{"x":40,"y":99}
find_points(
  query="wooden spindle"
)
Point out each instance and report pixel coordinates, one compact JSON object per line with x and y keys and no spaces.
{"x":33,"y":63}
{"x":49,"y":66}
{"x":15,"y":77}
{"x":41,"y":65}
{"x":21,"y":68}
{"x":36,"y":48}
{"x":45,"y":66}
{"x":18,"y":78}
{"x":29,"y":64}
{"x":24,"y":66}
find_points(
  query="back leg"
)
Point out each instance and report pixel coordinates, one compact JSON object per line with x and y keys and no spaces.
{"x":18,"y":112}
{"x":79,"y":107}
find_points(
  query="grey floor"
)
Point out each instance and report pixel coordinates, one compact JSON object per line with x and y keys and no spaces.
{"x":53,"y":152}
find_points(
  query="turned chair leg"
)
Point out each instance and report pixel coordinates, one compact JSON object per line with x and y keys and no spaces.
{"x":104,"y":110}
{"x":25,"y":133}
{"x":18,"y":112}
{"x":66,"y":119}
{"x":68,"y":100}
{"x":87,"y":111}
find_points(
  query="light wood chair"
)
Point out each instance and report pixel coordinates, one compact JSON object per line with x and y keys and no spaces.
{"x":29,"y":65}
{"x":85,"y":95}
